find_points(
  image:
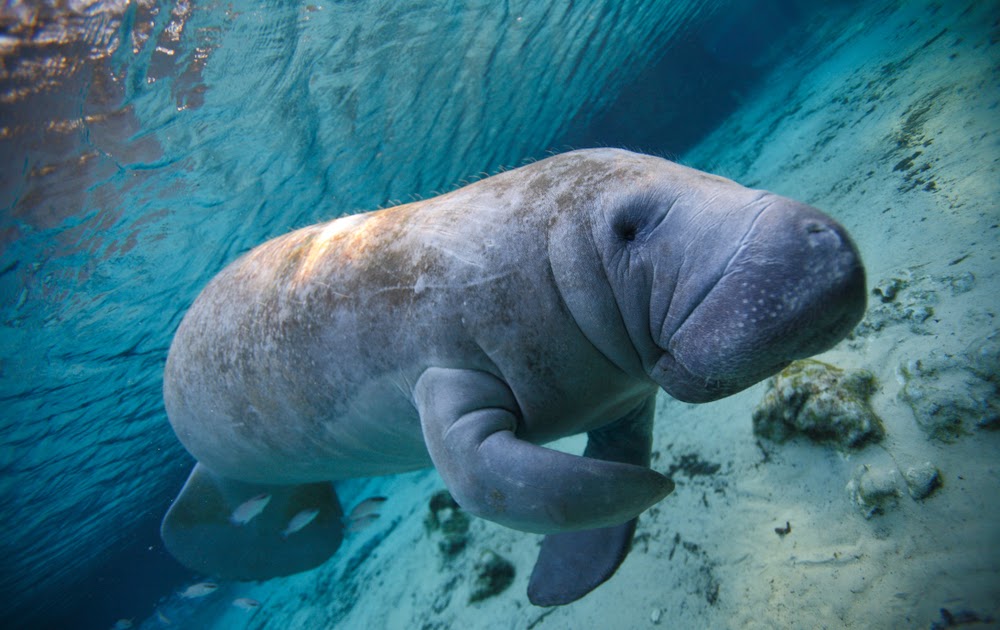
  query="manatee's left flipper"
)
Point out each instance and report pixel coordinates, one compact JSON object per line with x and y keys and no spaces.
{"x":571,"y":564}
{"x":469,"y":420}
{"x":199,"y":532}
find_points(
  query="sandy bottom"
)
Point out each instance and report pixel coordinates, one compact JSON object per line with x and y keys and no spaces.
{"x":887,"y":120}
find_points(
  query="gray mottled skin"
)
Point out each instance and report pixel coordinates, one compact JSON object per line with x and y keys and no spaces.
{"x":463,"y":330}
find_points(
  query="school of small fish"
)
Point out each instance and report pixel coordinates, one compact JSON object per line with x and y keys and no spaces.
{"x":195,"y":591}
{"x":364,"y":514}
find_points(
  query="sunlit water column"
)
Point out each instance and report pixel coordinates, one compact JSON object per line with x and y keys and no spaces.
{"x":145,"y":145}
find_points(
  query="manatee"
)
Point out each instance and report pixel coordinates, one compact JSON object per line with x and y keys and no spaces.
{"x":467,"y":330}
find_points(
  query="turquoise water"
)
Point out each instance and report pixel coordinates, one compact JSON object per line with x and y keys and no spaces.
{"x":166,"y":139}
{"x":145,"y":145}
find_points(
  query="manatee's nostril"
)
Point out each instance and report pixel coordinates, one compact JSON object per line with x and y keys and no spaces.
{"x":822,"y":235}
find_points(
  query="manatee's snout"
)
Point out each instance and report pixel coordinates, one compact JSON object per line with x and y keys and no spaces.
{"x":794,"y":287}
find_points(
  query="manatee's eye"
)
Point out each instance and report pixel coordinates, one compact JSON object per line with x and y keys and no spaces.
{"x":626,"y":226}
{"x":633,"y":216}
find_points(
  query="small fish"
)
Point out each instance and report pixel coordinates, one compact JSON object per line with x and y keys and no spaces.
{"x":299,"y":521}
{"x":122,"y":624}
{"x":357,"y":524}
{"x":246,"y":603}
{"x":366,"y":507}
{"x":246,"y":511}
{"x":200,"y":589}
{"x":165,"y":620}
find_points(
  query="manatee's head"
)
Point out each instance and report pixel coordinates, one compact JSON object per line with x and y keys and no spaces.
{"x":720,"y":286}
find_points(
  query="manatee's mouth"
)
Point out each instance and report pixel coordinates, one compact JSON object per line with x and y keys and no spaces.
{"x":687,"y":386}
{"x":678,"y":381}
{"x":714,"y":371}
{"x":673,"y":376}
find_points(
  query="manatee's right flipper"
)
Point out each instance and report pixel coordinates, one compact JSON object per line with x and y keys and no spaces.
{"x":198,"y":531}
{"x":571,"y":564}
{"x":469,"y":420}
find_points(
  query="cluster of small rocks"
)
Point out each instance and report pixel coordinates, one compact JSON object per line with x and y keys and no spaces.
{"x":877,"y":489}
{"x":830,"y":405}
{"x":491,"y":573}
{"x":909,"y":298}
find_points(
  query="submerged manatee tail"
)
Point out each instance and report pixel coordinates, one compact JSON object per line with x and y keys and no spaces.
{"x":240,"y":531}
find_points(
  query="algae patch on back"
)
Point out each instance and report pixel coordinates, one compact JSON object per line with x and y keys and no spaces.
{"x":822,"y":402}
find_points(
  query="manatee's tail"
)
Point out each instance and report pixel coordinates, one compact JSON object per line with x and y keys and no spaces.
{"x":200,"y":531}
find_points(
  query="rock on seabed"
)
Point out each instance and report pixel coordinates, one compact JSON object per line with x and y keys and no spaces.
{"x":822,"y":402}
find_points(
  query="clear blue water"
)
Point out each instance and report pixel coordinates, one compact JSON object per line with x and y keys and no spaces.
{"x":146,"y":144}
{"x":154,"y":142}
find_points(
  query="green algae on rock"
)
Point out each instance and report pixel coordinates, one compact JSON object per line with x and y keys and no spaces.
{"x":822,"y":402}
